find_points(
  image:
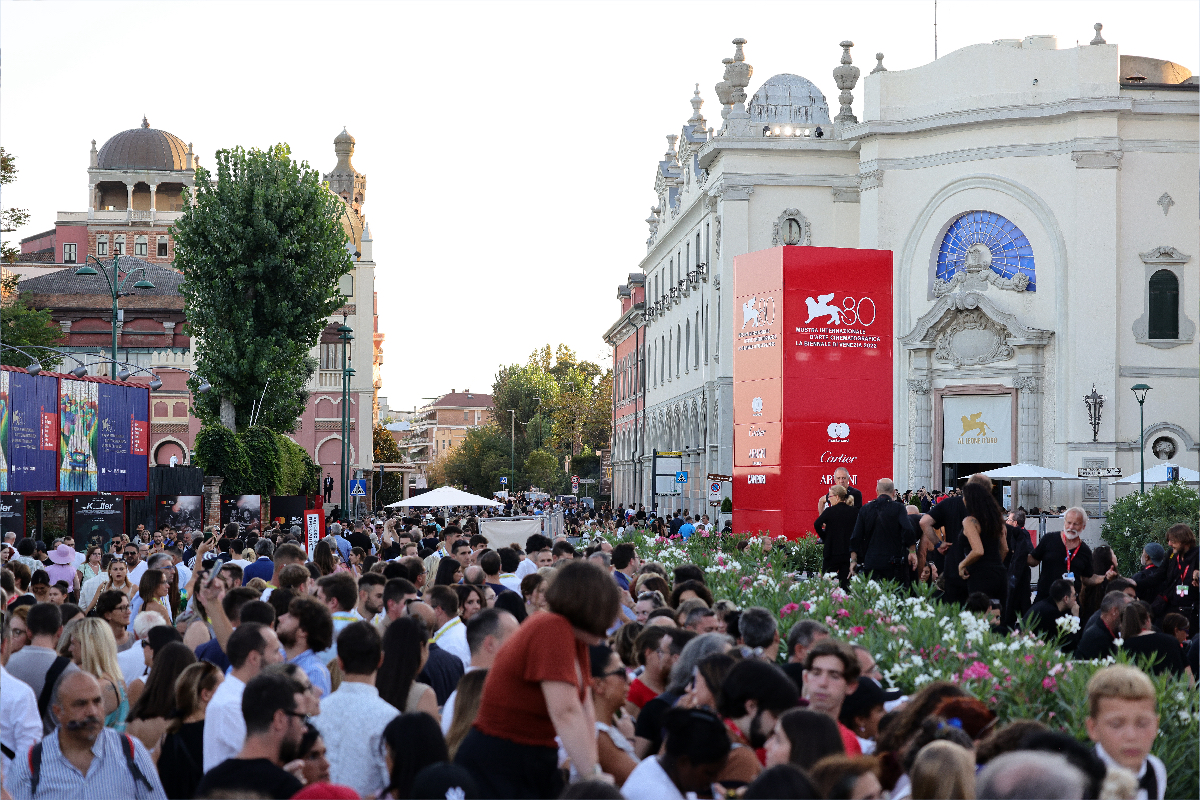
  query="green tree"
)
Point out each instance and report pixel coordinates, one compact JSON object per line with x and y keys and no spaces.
{"x":385,"y":451}
{"x":10,"y":218}
{"x":1138,"y":519}
{"x":262,"y":250}
{"x":21,"y":325}
{"x":543,"y":470}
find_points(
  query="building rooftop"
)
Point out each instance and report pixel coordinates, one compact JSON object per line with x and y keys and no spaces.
{"x":143,"y":148}
{"x":463,"y":399}
{"x":64,"y":281}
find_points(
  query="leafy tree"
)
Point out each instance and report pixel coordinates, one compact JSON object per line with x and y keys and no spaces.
{"x":1138,"y":519}
{"x":266,"y":462}
{"x":21,"y":325}
{"x":218,"y":451}
{"x":543,"y":470}
{"x":386,"y":451}
{"x":262,"y":250}
{"x":10,"y":218}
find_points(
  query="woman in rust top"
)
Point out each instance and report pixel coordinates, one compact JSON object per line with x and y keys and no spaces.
{"x":537,"y":689}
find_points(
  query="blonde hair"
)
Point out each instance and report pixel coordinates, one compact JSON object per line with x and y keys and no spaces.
{"x":943,"y":770}
{"x":466,"y":708}
{"x":97,"y":648}
{"x":1120,"y":681}
{"x":842,"y":493}
{"x":195,"y":678}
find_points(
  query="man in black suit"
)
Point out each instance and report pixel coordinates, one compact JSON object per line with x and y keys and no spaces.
{"x":884,"y":541}
{"x":1149,"y":579}
{"x":841,"y":477}
{"x":1099,"y":641}
{"x":1059,"y":600}
{"x":328,"y":487}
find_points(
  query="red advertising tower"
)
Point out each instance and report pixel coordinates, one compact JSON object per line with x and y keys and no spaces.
{"x":812,"y":381}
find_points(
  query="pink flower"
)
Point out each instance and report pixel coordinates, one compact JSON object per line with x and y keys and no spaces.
{"x":977,"y":669}
{"x":790,"y":608}
{"x":806,"y":606}
{"x":1028,"y":658}
{"x":841,"y":612}
{"x":1049,"y":684}
{"x":856,"y":630}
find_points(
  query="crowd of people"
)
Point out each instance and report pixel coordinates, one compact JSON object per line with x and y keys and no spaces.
{"x":412,"y":657}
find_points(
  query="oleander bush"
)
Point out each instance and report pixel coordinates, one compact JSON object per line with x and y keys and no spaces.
{"x":1137,"y":519}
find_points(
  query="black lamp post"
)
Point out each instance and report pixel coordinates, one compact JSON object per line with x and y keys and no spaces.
{"x":1094,"y":402}
{"x":346,"y":334}
{"x":1139,"y":391}
{"x":115,"y":284}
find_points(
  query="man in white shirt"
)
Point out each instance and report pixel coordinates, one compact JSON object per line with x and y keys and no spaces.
{"x":250,"y":648}
{"x":537,"y":554}
{"x":370,"y":597}
{"x":451,"y":634}
{"x":697,"y":747}
{"x":133,"y":660}
{"x":20,"y":723}
{"x":486,"y":633}
{"x":352,"y":719}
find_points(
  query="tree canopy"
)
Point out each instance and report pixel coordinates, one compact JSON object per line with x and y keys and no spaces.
{"x":10,"y":218}
{"x":21,"y":325}
{"x":262,"y":250}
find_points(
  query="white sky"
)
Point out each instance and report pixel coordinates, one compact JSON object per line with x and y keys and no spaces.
{"x":509,"y":148}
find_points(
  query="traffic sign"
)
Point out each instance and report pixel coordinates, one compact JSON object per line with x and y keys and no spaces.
{"x":714,"y":476}
{"x":358,"y":487}
{"x":714,"y":492}
{"x":681,"y":477}
{"x":1099,"y":472}
{"x":504,"y":480}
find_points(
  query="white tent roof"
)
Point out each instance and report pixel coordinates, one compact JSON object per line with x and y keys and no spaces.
{"x":1159,"y":475}
{"x":1029,"y":472}
{"x":444,"y":496}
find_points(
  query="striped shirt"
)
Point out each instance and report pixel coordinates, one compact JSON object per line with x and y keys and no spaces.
{"x":108,"y":775}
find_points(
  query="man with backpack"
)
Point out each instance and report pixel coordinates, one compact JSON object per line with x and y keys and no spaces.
{"x":38,"y":664}
{"x":64,"y":763}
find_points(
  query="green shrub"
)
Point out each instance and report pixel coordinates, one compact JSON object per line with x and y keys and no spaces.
{"x":726,"y":506}
{"x":218,"y":451}
{"x":1138,"y":519}
{"x":298,"y":474}
{"x":263,"y":454}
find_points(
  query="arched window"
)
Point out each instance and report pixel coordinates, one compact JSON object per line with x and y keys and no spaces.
{"x":1010,"y":250}
{"x":687,"y":347}
{"x":1164,"y":305}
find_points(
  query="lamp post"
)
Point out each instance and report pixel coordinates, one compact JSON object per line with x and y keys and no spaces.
{"x":512,"y":448}
{"x":1094,"y":403}
{"x":1139,"y":391}
{"x":115,"y":284}
{"x":346,"y":334}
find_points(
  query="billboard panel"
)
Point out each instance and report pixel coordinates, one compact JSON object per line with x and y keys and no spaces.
{"x":244,"y":509}
{"x":3,"y":430}
{"x":179,"y":512}
{"x":289,"y":510}
{"x":32,"y":432}
{"x":78,"y":431}
{"x":12,"y":515}
{"x":98,"y":518}
{"x":816,"y":332}
{"x":123,"y":440}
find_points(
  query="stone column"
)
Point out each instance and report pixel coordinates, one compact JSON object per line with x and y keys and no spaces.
{"x":1029,"y":425}
{"x":129,"y":196}
{"x":921,"y":463}
{"x":212,"y":499}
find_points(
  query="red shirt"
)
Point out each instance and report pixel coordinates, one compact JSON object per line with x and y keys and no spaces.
{"x":640,"y":693}
{"x":849,"y":741}
{"x":513,"y":706}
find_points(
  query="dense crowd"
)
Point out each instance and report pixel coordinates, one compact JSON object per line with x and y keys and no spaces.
{"x":412,"y":657}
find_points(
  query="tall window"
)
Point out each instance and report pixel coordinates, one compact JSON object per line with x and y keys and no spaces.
{"x":687,"y":347}
{"x":69,"y":251}
{"x":162,"y":247}
{"x":119,"y":244}
{"x":140,"y":246}
{"x":707,"y":242}
{"x":330,"y":356}
{"x":1164,"y":305}
{"x":102,"y":245}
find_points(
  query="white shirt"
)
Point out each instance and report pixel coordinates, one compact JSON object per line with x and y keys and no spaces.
{"x":1151,"y":762}
{"x":135,"y":575}
{"x":526,"y":567}
{"x":648,"y":781}
{"x":224,"y":725}
{"x":510,"y":581}
{"x":132,"y":663}
{"x":452,"y":637}
{"x":20,"y":723}
{"x":351,"y":722}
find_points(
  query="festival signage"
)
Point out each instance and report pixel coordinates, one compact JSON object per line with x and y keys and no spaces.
{"x":179,"y":512}
{"x":812,"y":380}
{"x":3,"y":430}
{"x":12,"y":515}
{"x":32,"y":432}
{"x":245,"y":510}
{"x":977,"y":429}
{"x":98,"y":518}
{"x":123,"y":439}
{"x":313,"y":525}
{"x":289,"y":510}
{"x":78,"y":428}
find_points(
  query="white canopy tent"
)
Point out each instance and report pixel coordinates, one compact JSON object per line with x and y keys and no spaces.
{"x":445,"y":497}
{"x":1029,"y":472}
{"x":1159,"y":475}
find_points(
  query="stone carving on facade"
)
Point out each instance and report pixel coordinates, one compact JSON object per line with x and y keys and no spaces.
{"x":1166,"y":202}
{"x":1097,"y":159}
{"x":919,"y":386}
{"x":1165,"y":255}
{"x":977,"y":273}
{"x":717,"y":236}
{"x":872,"y":179}
{"x":970,"y":338}
{"x":1098,"y":39}
{"x":879,"y":67}
{"x":731,"y":91}
{"x":792,"y":228}
{"x":1027,"y":383}
{"x":845,"y":75}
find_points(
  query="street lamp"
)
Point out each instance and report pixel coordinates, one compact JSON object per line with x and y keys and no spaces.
{"x":1094,"y":403}
{"x":512,"y":449}
{"x":346,"y":334}
{"x":1139,"y":391}
{"x":115,"y":284}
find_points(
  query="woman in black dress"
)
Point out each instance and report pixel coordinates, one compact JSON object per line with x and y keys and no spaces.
{"x":983,"y":566}
{"x":834,"y":527}
{"x":180,"y":763}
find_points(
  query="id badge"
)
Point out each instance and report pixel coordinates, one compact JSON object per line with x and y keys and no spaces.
{"x":1068,"y":576}
{"x":1181,"y":590}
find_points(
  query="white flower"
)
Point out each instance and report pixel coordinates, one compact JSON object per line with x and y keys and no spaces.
{"x":1118,"y":642}
{"x":1068,"y":622}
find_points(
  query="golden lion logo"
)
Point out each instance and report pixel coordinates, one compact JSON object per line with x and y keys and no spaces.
{"x":975,"y":423}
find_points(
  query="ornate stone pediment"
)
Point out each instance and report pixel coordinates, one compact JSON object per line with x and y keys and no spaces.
{"x":967,"y":329}
{"x":792,"y":227}
{"x":977,"y":273}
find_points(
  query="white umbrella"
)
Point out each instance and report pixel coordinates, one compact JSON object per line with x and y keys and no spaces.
{"x":1159,"y":475}
{"x":1029,"y":472}
{"x":445,"y":496}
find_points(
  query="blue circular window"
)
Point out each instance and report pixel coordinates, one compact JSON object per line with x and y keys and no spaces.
{"x":1011,"y":251}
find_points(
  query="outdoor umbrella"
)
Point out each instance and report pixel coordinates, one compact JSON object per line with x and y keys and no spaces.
{"x":1159,"y":475}
{"x":445,"y":496}
{"x":1029,"y":472}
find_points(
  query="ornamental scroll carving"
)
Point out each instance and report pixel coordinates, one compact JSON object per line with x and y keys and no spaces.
{"x":1027,"y":383}
{"x":977,"y":273}
{"x":792,"y":228}
{"x":917,"y":386}
{"x":970,"y":338}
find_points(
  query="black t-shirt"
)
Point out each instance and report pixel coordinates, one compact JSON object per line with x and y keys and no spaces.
{"x":649,"y":723}
{"x":360,"y":539}
{"x":1056,"y":561}
{"x":948,"y":515}
{"x":257,"y":775}
{"x":1162,"y":647}
{"x":391,"y":551}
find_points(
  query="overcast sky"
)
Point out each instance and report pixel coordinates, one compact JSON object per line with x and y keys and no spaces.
{"x":509,"y":148}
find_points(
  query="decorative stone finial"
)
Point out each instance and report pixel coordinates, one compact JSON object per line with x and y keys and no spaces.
{"x":846,"y":77}
{"x":145,"y":123}
{"x":724,"y":90}
{"x":671,"y":156}
{"x":1098,"y":39}
{"x":879,"y":67}
{"x":697,"y":120}
{"x":738,"y":74}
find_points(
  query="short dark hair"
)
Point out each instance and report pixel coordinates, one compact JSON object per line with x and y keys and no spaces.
{"x":315,"y":620}
{"x":236,"y":598}
{"x":689,"y":572}
{"x":260,"y":611}
{"x":279,"y":600}
{"x":695,"y":734}
{"x":586,"y":595}
{"x":395,"y":589}
{"x":839,"y":649}
{"x":371,"y":579}
{"x":394,"y":569}
{"x":622,"y":554}
{"x":264,"y":695}
{"x":698,"y":587}
{"x":1061,"y":589}
{"x":478,"y":539}
{"x":359,"y":648}
{"x":291,"y":553}
{"x":563,"y":549}
{"x":509,"y":560}
{"x":489,"y":562}
{"x":247,"y":638}
{"x":459,"y":544}
{"x":758,"y":627}
{"x":649,"y":639}
{"x":537,"y":542}
{"x":43,"y":619}
{"x":485,"y":623}
{"x":342,"y":587}
{"x":755,"y":679}
{"x":977,"y":602}
{"x":802,"y":634}
{"x":445,"y":598}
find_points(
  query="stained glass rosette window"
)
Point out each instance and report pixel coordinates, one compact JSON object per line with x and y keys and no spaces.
{"x":1010,"y":249}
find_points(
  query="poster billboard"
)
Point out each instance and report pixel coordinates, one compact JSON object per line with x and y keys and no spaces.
{"x":32,"y":432}
{"x":179,"y":512}
{"x":3,"y":430}
{"x":123,"y":439}
{"x":289,"y":510}
{"x":812,"y":380}
{"x":313,"y":526}
{"x":97,"y":519}
{"x":244,"y":509}
{"x":78,"y":429}
{"x":12,"y":515}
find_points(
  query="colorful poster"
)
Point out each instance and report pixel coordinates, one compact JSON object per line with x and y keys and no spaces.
{"x":32,"y":432}
{"x":12,"y":515}
{"x":78,"y":428}
{"x":124,"y":431}
{"x":97,"y":519}
{"x":289,"y":511}
{"x":179,"y":512}
{"x":244,"y":509}
{"x":3,"y":430}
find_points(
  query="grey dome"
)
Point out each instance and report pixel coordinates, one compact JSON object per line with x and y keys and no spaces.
{"x":789,"y":100}
{"x":143,"y":148}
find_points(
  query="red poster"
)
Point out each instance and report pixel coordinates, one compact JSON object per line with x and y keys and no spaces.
{"x":812,"y":380}
{"x":48,"y":438}
{"x":138,"y":436}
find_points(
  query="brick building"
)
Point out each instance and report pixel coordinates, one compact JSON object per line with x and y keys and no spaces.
{"x":443,"y":424}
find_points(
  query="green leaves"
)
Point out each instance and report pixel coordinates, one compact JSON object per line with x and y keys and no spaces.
{"x":262,"y":250}
{"x":1136,"y":520}
{"x":255,"y":461}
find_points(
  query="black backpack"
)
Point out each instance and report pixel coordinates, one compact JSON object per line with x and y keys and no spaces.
{"x":35,"y":766}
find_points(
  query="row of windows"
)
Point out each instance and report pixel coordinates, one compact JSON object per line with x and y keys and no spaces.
{"x":685,"y":341}
{"x":141,"y":247}
{"x":686,"y":258}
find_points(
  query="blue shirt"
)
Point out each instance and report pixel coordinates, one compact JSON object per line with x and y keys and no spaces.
{"x":316,"y":671}
{"x":686,"y":529}
{"x":211,"y":652}
{"x":108,"y":775}
{"x":343,"y":547}
{"x":263,"y":568}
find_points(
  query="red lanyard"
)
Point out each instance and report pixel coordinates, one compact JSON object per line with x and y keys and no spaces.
{"x":1182,"y":569}
{"x":1070,"y":553}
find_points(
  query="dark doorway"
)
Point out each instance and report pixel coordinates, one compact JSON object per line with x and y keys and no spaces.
{"x":954,"y":475}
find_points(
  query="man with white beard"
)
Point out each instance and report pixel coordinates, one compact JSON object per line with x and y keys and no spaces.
{"x":1065,"y":556}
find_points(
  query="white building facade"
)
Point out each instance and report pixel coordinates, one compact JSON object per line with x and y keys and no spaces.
{"x":1041,"y":206}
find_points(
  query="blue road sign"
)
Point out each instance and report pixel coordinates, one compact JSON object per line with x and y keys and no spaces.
{"x":504,"y":480}
{"x":681,"y":477}
{"x":358,"y":487}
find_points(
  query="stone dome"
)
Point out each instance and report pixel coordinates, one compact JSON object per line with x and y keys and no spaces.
{"x":143,"y":148}
{"x":788,"y":100}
